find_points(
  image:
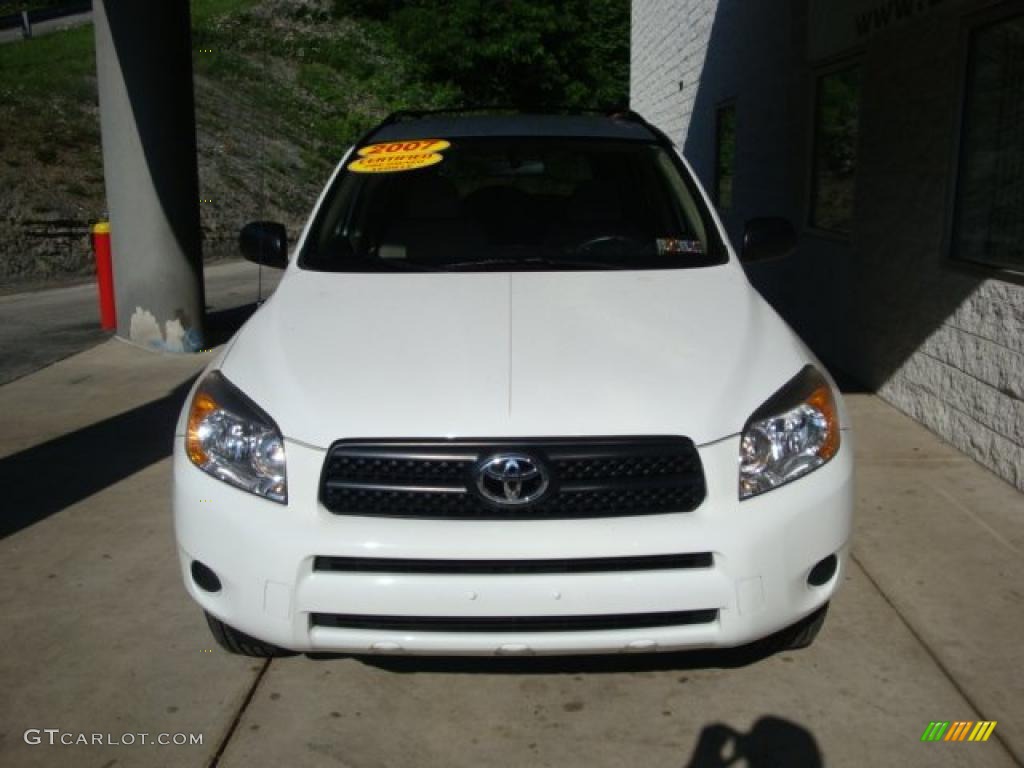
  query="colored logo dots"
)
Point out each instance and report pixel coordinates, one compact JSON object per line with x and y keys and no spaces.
{"x":961,"y":730}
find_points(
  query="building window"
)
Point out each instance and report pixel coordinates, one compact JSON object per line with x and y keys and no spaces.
{"x":836,"y":122}
{"x":725,"y":155}
{"x":989,"y":218}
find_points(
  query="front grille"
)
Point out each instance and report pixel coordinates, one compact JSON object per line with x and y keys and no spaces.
{"x":597,"y":477}
{"x":513,"y":623}
{"x":580,"y":565}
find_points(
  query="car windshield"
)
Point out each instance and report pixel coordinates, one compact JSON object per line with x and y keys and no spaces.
{"x":480,"y":204}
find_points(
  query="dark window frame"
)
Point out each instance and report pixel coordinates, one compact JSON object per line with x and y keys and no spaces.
{"x":720,"y":108}
{"x":970,"y":24}
{"x":841,"y":63}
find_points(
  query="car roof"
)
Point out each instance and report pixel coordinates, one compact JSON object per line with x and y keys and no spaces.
{"x":474,"y":126}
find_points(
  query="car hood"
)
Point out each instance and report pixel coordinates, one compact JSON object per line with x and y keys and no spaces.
{"x":513,"y":354}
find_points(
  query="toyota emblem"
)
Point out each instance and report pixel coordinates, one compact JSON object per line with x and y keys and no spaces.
{"x":511,"y":479}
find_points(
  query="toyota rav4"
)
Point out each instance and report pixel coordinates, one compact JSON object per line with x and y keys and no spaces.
{"x":513,"y":395}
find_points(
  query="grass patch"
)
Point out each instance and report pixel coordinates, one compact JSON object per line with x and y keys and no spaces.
{"x":45,"y":154}
{"x":281,"y":92}
{"x":56,"y":65}
{"x":205,"y":11}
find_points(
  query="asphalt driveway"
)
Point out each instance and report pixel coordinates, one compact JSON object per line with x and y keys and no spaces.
{"x":38,"y":328}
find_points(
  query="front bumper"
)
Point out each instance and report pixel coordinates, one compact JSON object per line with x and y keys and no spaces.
{"x":762,"y":552}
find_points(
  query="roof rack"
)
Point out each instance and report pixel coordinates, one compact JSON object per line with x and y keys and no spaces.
{"x":415,"y":114}
{"x":615,"y":112}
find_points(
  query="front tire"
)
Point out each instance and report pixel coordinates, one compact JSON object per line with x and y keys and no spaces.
{"x":233,"y":641}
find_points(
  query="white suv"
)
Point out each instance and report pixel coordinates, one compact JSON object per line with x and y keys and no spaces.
{"x":513,"y":395}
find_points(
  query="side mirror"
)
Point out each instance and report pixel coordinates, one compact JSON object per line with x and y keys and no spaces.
{"x":266,"y":243}
{"x":767,"y":238}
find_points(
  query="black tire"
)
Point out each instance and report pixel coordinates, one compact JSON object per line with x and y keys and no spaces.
{"x":799,"y":635}
{"x":233,"y":641}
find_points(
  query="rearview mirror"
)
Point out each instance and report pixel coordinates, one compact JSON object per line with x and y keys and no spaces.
{"x":767,"y":238}
{"x":266,"y":243}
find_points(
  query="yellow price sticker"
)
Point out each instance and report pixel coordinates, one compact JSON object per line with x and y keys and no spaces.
{"x":393,"y":156}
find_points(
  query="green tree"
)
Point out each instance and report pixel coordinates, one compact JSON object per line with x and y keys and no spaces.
{"x":572,"y":53}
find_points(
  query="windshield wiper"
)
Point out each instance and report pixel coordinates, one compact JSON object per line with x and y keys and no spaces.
{"x":543,"y":261}
{"x":406,"y":266}
{"x":377,"y":264}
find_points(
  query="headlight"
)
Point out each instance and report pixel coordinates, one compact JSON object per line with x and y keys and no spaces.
{"x":793,"y":433}
{"x":233,"y":439}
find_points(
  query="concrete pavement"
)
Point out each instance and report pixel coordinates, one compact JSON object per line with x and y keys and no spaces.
{"x":943,"y":541}
{"x":100,"y":637}
{"x":40,"y":327}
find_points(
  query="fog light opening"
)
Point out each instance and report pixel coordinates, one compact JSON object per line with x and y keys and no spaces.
{"x":204,"y":578}
{"x":823,"y":571}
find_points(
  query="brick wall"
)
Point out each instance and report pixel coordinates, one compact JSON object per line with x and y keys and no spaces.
{"x":668,"y":44}
{"x":885,"y":305}
{"x":944,"y":345}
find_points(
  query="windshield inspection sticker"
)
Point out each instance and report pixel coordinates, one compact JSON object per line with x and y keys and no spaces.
{"x":395,"y":156}
{"x":671,"y":246}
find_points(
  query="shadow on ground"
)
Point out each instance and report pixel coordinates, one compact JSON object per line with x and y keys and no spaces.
{"x":52,"y":476}
{"x":772,"y":742}
{"x":847,"y":384}
{"x":729,"y":658}
{"x":49,"y":477}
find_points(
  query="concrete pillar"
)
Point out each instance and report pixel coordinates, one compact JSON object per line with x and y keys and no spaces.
{"x":147,"y":119}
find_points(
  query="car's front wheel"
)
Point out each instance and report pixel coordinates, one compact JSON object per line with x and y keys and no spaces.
{"x":233,"y":641}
